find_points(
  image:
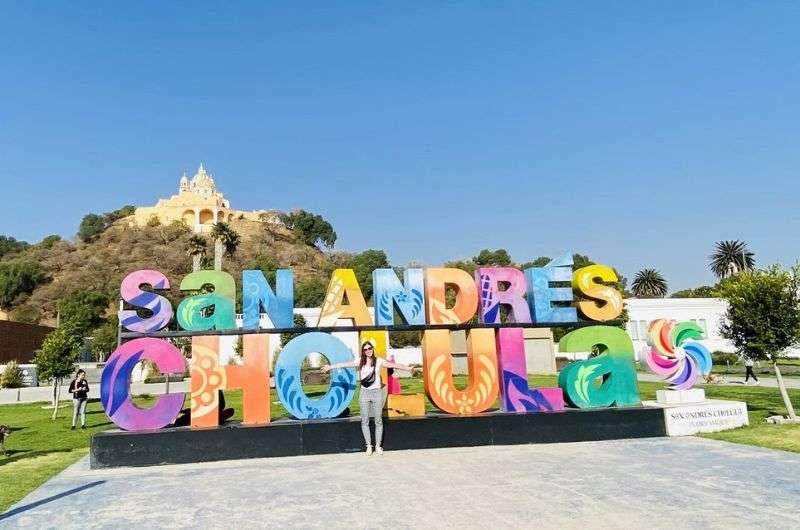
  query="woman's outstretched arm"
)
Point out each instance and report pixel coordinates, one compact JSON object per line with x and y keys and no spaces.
{"x":398,"y":366}
{"x":328,"y":367}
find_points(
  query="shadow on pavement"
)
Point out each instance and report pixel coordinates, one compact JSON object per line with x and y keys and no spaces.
{"x":32,"y":505}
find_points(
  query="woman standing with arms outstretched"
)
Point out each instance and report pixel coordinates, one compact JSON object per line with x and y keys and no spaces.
{"x":372,"y":397}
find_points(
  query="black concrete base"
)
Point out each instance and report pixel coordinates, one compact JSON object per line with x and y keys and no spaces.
{"x":291,"y":437}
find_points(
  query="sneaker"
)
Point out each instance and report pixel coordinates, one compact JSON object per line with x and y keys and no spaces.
{"x":369,"y":450}
{"x":83,"y":427}
{"x":379,"y":450}
{"x":72,"y":428}
{"x":758,"y":382}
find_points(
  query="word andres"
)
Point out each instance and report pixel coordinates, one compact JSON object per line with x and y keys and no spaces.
{"x":496,"y":358}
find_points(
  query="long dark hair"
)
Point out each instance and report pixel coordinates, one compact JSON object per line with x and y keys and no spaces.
{"x":363,"y":360}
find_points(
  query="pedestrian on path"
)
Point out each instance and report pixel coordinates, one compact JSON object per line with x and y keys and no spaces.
{"x":79,"y":388}
{"x":748,"y":366}
{"x":372,"y":396}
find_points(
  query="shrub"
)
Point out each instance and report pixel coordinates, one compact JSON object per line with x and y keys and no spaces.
{"x":12,"y":376}
{"x":723,"y":358}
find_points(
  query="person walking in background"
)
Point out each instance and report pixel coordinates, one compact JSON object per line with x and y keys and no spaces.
{"x":79,"y":388}
{"x":748,"y":366}
{"x":371,"y":396}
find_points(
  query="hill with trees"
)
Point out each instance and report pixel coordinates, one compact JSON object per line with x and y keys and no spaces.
{"x":77,"y":282}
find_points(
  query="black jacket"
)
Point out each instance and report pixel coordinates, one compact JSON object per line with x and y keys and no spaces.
{"x":79,"y":389}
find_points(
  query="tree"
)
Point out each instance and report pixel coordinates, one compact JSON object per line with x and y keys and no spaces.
{"x":499,"y":257}
{"x":196,"y":249}
{"x":226,"y":241}
{"x":8,"y":245}
{"x":18,"y":278}
{"x":465,"y":265}
{"x":120,"y":213}
{"x":731,"y":257}
{"x":267,"y":265}
{"x":83,"y":310}
{"x":92,"y":225}
{"x":56,"y":359}
{"x":763,"y":316}
{"x":541,"y":261}
{"x":104,"y":339}
{"x":363,"y":264}
{"x":310,"y":292}
{"x":298,"y":321}
{"x":649,"y":283}
{"x":704,"y":291}
{"x":49,"y":241}
{"x":310,"y":228}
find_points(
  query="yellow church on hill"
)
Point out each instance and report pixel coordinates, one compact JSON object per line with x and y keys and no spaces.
{"x":199,"y":204}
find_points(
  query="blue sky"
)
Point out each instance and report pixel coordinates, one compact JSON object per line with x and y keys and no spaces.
{"x":636,"y":132}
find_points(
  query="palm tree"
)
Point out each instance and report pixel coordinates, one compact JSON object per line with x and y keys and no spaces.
{"x":226,"y":241}
{"x":731,"y":257}
{"x":648,"y":283}
{"x":196,"y":248}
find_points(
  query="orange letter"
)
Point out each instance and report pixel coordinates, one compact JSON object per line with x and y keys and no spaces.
{"x":482,"y":389}
{"x":466,"y":296}
{"x":208,"y":378}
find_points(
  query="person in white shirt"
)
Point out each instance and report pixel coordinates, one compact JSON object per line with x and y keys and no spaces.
{"x":371,"y":397}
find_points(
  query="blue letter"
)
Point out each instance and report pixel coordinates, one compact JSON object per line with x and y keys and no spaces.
{"x":388,"y":291}
{"x":256,"y":293}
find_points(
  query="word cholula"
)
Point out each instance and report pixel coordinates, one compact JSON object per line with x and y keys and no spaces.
{"x":496,"y":357}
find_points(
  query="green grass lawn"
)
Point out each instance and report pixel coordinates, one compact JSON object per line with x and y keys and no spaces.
{"x":40,"y":448}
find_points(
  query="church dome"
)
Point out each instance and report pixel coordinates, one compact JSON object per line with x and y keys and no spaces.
{"x":203,"y":181}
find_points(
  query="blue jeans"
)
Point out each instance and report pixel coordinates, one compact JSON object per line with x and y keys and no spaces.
{"x":79,"y":405}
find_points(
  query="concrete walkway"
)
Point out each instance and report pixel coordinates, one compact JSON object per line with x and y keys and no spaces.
{"x":651,"y":483}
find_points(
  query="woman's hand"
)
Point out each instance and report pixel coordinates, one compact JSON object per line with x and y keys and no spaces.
{"x":325,"y":368}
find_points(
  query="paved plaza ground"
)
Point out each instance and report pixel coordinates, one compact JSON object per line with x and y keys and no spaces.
{"x":650,"y":483}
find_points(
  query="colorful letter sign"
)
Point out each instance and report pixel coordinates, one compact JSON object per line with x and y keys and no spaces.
{"x":541,"y":295}
{"x":388,"y":292}
{"x":601,"y":381}
{"x":115,"y":385}
{"x":515,"y":394}
{"x":289,"y":385}
{"x":209,"y":378}
{"x":495,"y":354}
{"x":213,"y":310}
{"x":482,"y":389}
{"x":489,"y":279}
{"x":257,"y":294}
{"x":343,"y":283}
{"x":604,"y":302}
{"x":131,"y":291}
{"x":436,"y":281}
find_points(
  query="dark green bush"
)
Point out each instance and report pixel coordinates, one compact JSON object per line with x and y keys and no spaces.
{"x":723,"y":358}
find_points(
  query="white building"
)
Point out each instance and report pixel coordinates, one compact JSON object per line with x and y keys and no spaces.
{"x":708,"y":313}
